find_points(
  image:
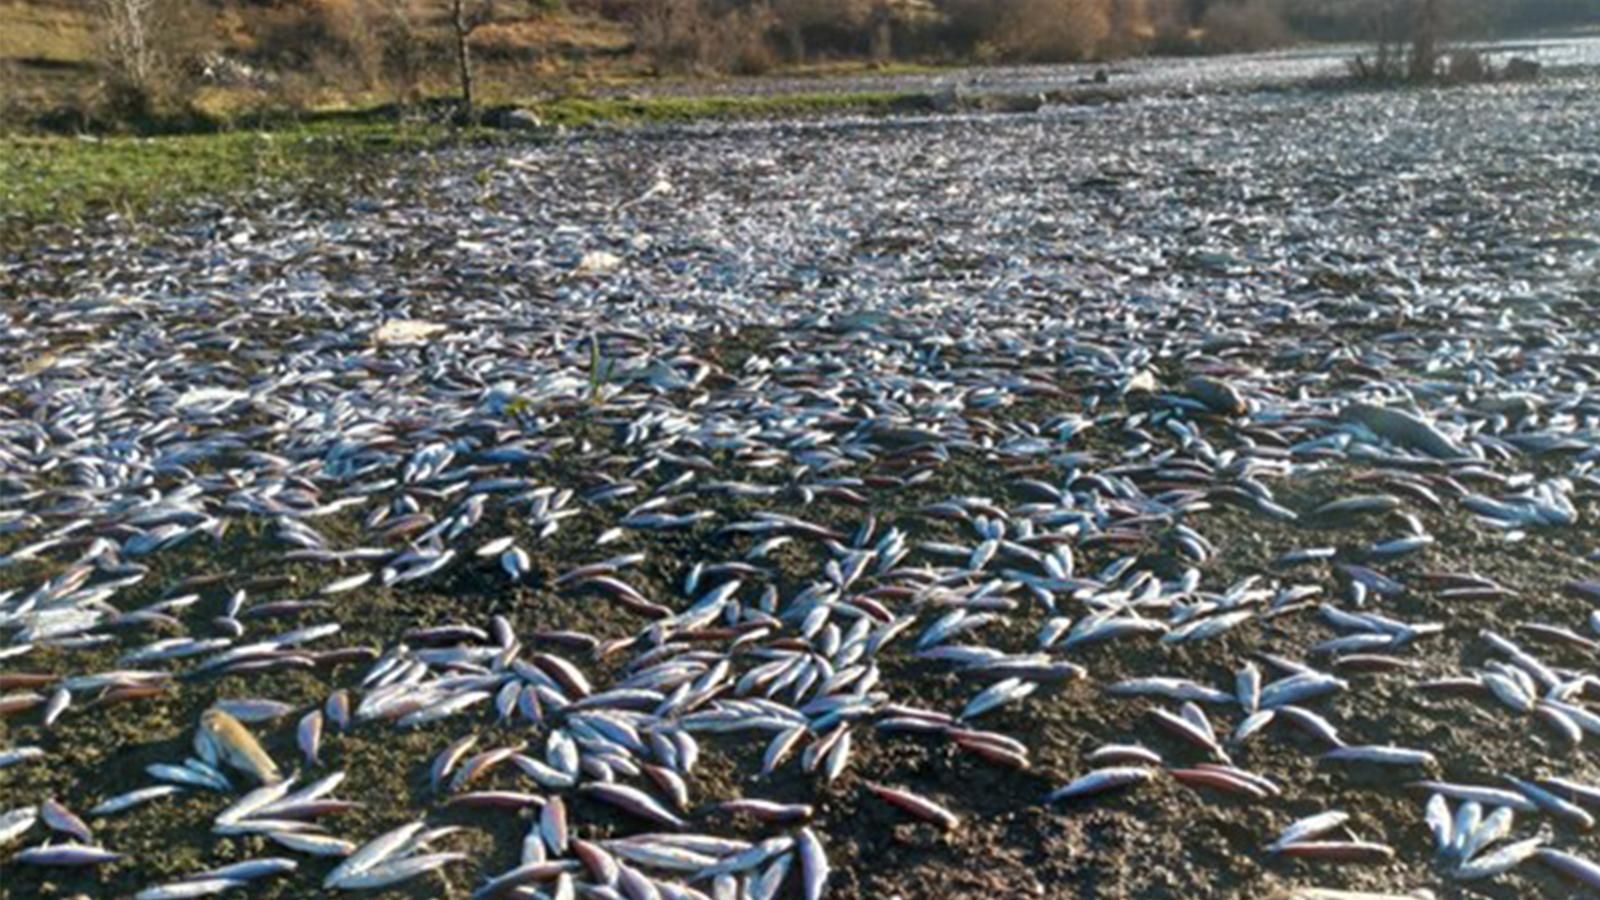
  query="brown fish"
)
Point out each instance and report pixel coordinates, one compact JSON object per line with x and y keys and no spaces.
{"x":221,"y":738}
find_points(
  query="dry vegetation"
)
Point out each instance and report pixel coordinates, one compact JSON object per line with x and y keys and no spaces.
{"x":165,"y":63}
{"x":1243,"y":27}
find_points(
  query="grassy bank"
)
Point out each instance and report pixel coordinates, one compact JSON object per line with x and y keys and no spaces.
{"x":63,"y":180}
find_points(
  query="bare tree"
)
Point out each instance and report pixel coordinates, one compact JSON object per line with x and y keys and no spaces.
{"x":143,"y":45}
{"x":1425,"y":40}
{"x":1413,"y":38}
{"x":463,"y":30}
{"x":130,"y":51}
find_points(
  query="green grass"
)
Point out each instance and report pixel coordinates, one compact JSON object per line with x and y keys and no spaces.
{"x":63,"y":180}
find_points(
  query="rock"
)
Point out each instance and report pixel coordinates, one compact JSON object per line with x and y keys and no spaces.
{"x":945,"y":101}
{"x":523,"y":120}
{"x":597,"y":262}
{"x":915,"y":103}
{"x":225,"y":71}
{"x":1010,"y":103}
{"x":406,"y":331}
{"x":1142,"y":382}
{"x":513,"y":118}
{"x":1218,"y":396}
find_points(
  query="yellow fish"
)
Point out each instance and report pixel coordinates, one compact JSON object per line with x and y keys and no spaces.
{"x":223,"y":739}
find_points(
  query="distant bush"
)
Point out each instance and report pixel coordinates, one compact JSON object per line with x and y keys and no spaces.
{"x":343,"y":38}
{"x":1052,"y":30}
{"x":1063,"y":30}
{"x":1242,"y":27}
{"x":696,"y":36}
{"x":1420,"y":40}
{"x":344,"y":44}
{"x":833,"y":26}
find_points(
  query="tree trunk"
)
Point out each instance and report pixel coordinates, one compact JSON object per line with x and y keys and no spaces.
{"x":1425,"y":41}
{"x":797,"y":42}
{"x":882,"y":46}
{"x":463,"y":57}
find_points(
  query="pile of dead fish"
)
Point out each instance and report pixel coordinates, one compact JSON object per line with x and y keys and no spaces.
{"x":812,"y":423}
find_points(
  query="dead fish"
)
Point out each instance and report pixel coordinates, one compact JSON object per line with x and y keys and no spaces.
{"x":372,"y":853}
{"x":309,"y":736}
{"x":1500,"y":861}
{"x":59,"y":818}
{"x":18,"y":755}
{"x":1550,"y":803}
{"x":1122,"y":754}
{"x":1005,"y":691}
{"x":190,"y":888}
{"x":396,"y":871}
{"x":1403,"y":429}
{"x":1364,"y":505}
{"x":223,"y":739}
{"x":16,"y":822}
{"x":66,"y":855}
{"x":1195,"y":733}
{"x":1381,"y":755}
{"x":915,"y":804}
{"x":1218,"y":779}
{"x":1308,"y":828}
{"x":634,"y":801}
{"x":1483,"y":794}
{"x":1440,"y":824}
{"x":122,"y":802}
{"x":1172,"y":688}
{"x":1494,"y":827}
{"x":1100,"y":781}
{"x":1247,"y":688}
{"x":1576,"y":868}
{"x":814,"y":870}
{"x":1340,"y":851}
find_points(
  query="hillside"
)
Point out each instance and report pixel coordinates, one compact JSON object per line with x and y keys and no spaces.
{"x":48,"y":47}
{"x":287,"y":57}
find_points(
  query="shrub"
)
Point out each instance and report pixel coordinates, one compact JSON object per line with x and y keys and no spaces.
{"x":1413,"y":39}
{"x":1053,"y":30}
{"x":739,"y":43}
{"x":694,"y":36}
{"x":365,"y":44}
{"x":833,"y":25}
{"x":1242,"y":27}
{"x":344,"y":35}
{"x":1466,"y":65}
{"x":148,"y":52}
